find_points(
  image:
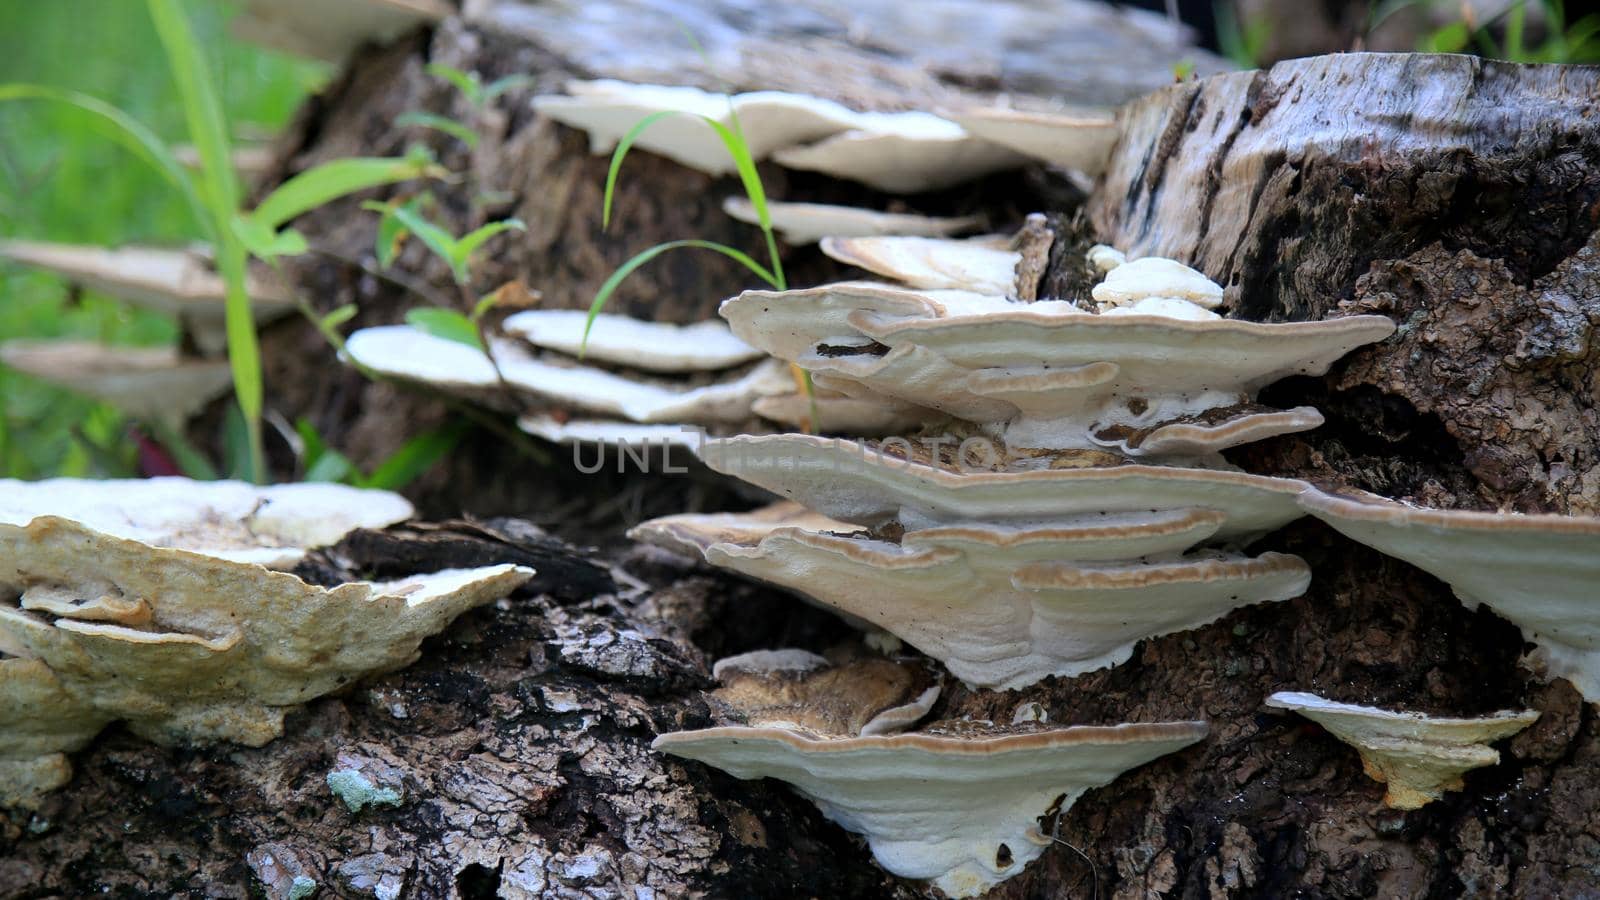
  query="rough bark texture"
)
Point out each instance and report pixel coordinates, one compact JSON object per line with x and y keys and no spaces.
{"x":519,"y":742}
{"x":1458,"y":196}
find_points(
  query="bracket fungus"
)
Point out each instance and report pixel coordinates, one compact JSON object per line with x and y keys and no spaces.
{"x":1046,"y":374}
{"x":976,"y":265}
{"x":1005,"y":577}
{"x":959,"y":806}
{"x":150,"y":383}
{"x":177,"y":282}
{"x":808,"y":223}
{"x":331,"y":29}
{"x":231,"y":520}
{"x":901,"y":152}
{"x":1057,"y":554}
{"x":1542,"y":572}
{"x":1419,"y":757}
{"x":1080,"y":140}
{"x":670,"y":382}
{"x":185,"y":646}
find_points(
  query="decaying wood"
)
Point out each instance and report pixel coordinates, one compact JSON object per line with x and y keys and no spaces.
{"x":519,"y":743}
{"x":1456,"y":195}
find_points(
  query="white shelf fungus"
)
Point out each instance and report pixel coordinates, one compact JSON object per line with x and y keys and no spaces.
{"x":1007,"y":607}
{"x":961,"y":809}
{"x":859,"y":483}
{"x":653,"y":346}
{"x":184,"y":646}
{"x":701,"y":378}
{"x":1419,"y":757}
{"x":148,"y":383}
{"x":1045,"y":374}
{"x":901,"y":152}
{"x":808,"y":223}
{"x":270,"y":526}
{"x":1540,"y":571}
{"x":1080,"y":140}
{"x":176,"y":282}
{"x":332,"y":29}
{"x":975,"y":265}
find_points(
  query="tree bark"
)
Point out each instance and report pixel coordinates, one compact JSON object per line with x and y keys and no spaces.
{"x":1458,"y":196}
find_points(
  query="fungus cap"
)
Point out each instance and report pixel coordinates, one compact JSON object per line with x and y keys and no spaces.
{"x":902,"y":153}
{"x":931,"y":263}
{"x":1155,"y":276}
{"x":691,"y":533}
{"x":653,"y":346}
{"x":405,"y":352}
{"x":219,"y":650}
{"x":268,"y":525}
{"x":150,"y":383}
{"x":854,"y":482}
{"x":1419,"y":757}
{"x":997,"y":616}
{"x":808,"y":223}
{"x":176,"y":282}
{"x":1539,"y":571}
{"x":1080,"y":140}
{"x":769,"y":120}
{"x":331,"y":29}
{"x":1044,"y":374}
{"x":959,"y":809}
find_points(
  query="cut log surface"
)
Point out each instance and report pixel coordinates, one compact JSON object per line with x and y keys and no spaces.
{"x":1458,"y":196}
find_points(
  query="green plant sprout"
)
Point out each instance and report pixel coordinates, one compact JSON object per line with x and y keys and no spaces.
{"x":481,"y":96}
{"x":738,"y":148}
{"x":323,"y":463}
{"x":213,"y":197}
{"x":402,"y":219}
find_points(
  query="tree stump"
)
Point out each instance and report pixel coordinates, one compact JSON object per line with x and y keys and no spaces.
{"x":1456,"y":195}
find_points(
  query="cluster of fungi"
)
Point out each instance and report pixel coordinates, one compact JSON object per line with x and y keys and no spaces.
{"x":995,"y":485}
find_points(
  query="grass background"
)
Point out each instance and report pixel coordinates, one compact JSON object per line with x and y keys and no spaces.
{"x":61,"y":180}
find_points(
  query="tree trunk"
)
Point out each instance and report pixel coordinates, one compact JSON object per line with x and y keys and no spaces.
{"x":1458,"y":196}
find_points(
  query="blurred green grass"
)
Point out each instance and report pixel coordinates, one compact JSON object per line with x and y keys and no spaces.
{"x":62,"y":180}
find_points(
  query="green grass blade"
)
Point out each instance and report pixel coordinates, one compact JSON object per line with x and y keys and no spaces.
{"x":332,"y":180}
{"x":739,"y":148}
{"x":445,"y":323}
{"x":208,"y":130}
{"x":125,"y":130}
{"x":621,"y":153}
{"x":467,"y":83}
{"x":462,"y":252}
{"x":435,"y":238}
{"x":415,"y":457}
{"x":202,"y":109}
{"x":440,"y":123}
{"x":644,"y":256}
